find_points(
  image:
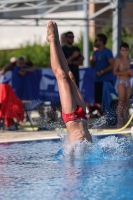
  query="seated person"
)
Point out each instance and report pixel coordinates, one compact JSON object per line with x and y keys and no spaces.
{"x":25,"y":78}
{"x":23,"y":66}
{"x":8,"y":67}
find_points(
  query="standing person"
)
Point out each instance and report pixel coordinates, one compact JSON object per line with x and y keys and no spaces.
{"x":102,"y":61}
{"x":73,"y":105}
{"x":123,"y":71}
{"x":73,"y":56}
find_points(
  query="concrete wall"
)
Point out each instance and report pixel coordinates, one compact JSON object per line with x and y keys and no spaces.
{"x":13,"y":36}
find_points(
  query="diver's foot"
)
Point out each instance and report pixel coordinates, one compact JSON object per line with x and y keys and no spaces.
{"x":52,"y":32}
{"x":56,"y":31}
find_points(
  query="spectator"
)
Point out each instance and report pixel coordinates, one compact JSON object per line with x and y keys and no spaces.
{"x":13,"y":59}
{"x":8,"y":67}
{"x":73,"y":56}
{"x":29,"y":63}
{"x":102,"y":62}
{"x":23,"y":68}
{"x":94,"y":49}
{"x":26,"y":83}
{"x":123,"y":71}
{"x":63,"y":39}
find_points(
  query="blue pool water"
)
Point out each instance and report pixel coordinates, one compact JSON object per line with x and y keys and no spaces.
{"x":44,"y":171}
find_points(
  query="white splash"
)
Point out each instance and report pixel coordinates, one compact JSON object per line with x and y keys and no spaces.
{"x":111,"y":148}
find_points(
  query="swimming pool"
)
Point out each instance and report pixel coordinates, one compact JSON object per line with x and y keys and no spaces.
{"x":39,"y":170}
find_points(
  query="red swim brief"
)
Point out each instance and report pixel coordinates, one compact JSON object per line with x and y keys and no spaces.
{"x":79,"y":113}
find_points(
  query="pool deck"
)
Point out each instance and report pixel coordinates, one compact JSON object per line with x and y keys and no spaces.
{"x":22,"y":135}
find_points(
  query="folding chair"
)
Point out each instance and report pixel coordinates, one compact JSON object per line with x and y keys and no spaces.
{"x":25,"y":103}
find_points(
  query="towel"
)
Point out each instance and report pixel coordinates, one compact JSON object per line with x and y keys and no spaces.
{"x":108,"y":90}
{"x":10,"y":105}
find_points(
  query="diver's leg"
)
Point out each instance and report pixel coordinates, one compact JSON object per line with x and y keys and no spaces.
{"x":67,"y":101}
{"x":75,"y":90}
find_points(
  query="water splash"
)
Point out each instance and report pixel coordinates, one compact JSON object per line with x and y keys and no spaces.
{"x":107,"y":148}
{"x":62,"y":134}
{"x":99,"y":123}
{"x":76,"y":150}
{"x":108,"y":120}
{"x":116,"y":148}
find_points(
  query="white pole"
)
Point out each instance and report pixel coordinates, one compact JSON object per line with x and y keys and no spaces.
{"x":116,"y":36}
{"x":85,"y":35}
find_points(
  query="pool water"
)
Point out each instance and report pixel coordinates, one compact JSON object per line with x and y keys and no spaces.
{"x":44,"y":171}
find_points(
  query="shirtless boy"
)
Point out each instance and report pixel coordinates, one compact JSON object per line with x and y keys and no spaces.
{"x":73,"y":105}
{"x":123,"y":71}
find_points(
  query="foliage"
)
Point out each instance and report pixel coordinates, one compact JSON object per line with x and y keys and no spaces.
{"x":79,"y":43}
{"x":107,"y":30}
{"x":38,"y":54}
{"x":125,"y":35}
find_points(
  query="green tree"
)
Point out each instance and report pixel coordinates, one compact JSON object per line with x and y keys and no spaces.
{"x":79,"y":43}
{"x":125,"y":34}
{"x":38,"y":54}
